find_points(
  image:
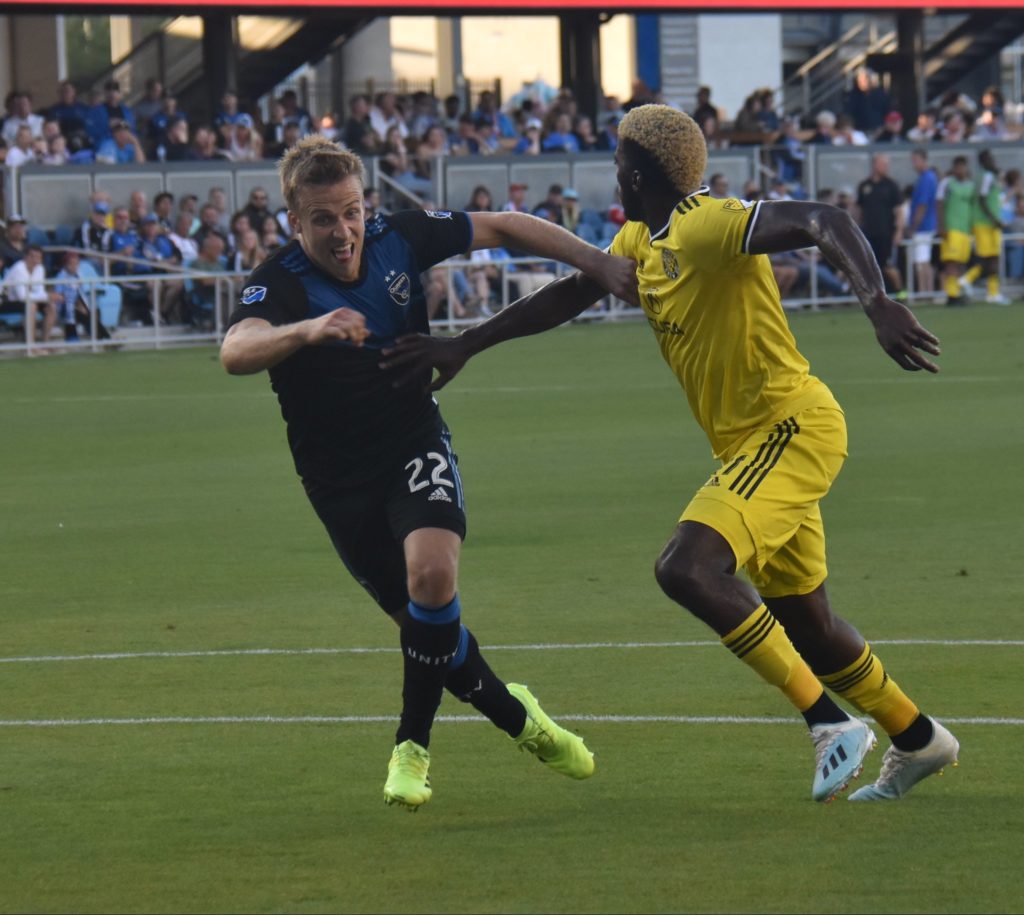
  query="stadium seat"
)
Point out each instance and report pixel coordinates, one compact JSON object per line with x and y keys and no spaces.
{"x":63,"y":235}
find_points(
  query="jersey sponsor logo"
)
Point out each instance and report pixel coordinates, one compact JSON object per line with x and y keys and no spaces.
{"x":666,"y":327}
{"x":653,"y":301}
{"x":439,"y":214}
{"x":400,"y":288}
{"x":671,"y":265}
{"x":439,"y":495}
{"x":253,"y":294}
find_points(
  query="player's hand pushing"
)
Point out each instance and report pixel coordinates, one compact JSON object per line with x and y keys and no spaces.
{"x":901,"y":335}
{"x":340,"y":324}
{"x":414,"y":354}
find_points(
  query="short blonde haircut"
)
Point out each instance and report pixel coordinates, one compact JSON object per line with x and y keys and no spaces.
{"x":673,"y":139}
{"x":315,"y":160}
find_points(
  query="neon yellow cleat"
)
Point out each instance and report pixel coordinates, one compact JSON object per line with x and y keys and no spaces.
{"x":554,"y":746}
{"x":408,"y":781}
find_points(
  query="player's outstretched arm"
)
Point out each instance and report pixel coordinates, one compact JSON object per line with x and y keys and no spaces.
{"x":788,"y":225}
{"x":541,"y":238}
{"x":253,"y":344}
{"x":541,"y":310}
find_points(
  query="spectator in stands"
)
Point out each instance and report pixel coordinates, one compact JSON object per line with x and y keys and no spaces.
{"x":227,"y":115}
{"x":181,"y":237}
{"x":879,"y":212}
{"x":26,"y":293}
{"x":292,"y":135}
{"x":67,"y":111}
{"x":561,"y":138}
{"x":248,"y":253}
{"x":990,"y":124}
{"x":56,"y":151}
{"x":204,"y":146}
{"x":71,"y":303}
{"x":486,"y":137}
{"x":718,"y":186}
{"x":358,"y":134}
{"x":21,"y":116}
{"x":825,"y":122}
{"x":923,"y":221}
{"x":147,"y":107}
{"x":243,"y":143}
{"x":218,"y":198}
{"x":431,"y":149}
{"x":79,"y":150}
{"x":747,"y":127}
{"x":788,"y":154}
{"x":529,"y":144}
{"x":371,"y":202}
{"x":116,"y":109}
{"x":97,"y":123}
{"x":22,"y":151}
{"x":516,"y":197}
{"x":176,"y":145}
{"x":867,"y":102}
{"x":157,"y":131}
{"x":847,"y":134}
{"x":209,"y":224}
{"x":273,"y":131}
{"x":570,"y":209}
{"x":138,"y":208}
{"x":550,"y":208}
{"x":122,"y":148}
{"x":766,"y":114}
{"x":124,"y":241}
{"x":704,"y":109}
{"x":271,"y":233}
{"x":189,"y":203}
{"x":94,"y":233}
{"x":465,"y":142}
{"x":449,"y":118}
{"x":779,"y":190}
{"x":583,"y":130}
{"x":396,"y":164}
{"x":204,"y":289}
{"x":238,"y":224}
{"x":954,"y":128}
{"x":608,"y":138}
{"x":384,"y":115}
{"x":163,"y":207}
{"x":487,"y":109}
{"x":892,"y":129}
{"x":712,"y":135}
{"x":13,"y":242}
{"x":295,"y":113}
{"x":159,"y":251}
{"x":924,"y":131}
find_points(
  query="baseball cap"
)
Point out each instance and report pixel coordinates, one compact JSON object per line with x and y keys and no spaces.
{"x":893,"y":117}
{"x":150,"y":217}
{"x":570,"y":194}
{"x":16,"y":217}
{"x":244,"y":120}
{"x":532,"y":123}
{"x":101,"y":206}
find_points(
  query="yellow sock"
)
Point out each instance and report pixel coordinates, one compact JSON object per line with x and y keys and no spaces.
{"x":868,"y":688}
{"x":761,"y":643}
{"x":993,"y":284}
{"x":952,"y":286}
{"x":971,"y":275}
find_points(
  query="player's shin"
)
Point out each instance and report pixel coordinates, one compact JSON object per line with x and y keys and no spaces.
{"x":869,"y":689}
{"x":470,"y":679}
{"x":761,"y":643}
{"x":430,"y":640}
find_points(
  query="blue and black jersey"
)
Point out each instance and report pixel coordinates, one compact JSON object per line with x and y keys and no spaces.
{"x":343,"y":415}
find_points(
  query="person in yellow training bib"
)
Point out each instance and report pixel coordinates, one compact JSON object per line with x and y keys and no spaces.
{"x":955,"y":204}
{"x":706,"y":287}
{"x":988,"y":230}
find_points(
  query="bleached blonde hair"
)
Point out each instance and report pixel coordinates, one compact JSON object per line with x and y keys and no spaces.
{"x":672,"y":139}
{"x":316,"y":160}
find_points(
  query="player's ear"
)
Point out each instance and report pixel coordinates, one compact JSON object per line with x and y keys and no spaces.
{"x":294,"y":224}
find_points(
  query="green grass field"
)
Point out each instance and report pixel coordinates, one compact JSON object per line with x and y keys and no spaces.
{"x":149,"y":506}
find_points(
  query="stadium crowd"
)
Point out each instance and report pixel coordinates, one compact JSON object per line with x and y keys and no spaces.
{"x":409,"y":133}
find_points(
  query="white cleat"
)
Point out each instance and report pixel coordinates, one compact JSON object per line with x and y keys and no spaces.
{"x":965,"y":287}
{"x":901,"y":770}
{"x":998,"y":299}
{"x":839,"y":751}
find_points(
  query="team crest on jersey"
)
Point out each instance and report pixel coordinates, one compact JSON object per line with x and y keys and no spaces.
{"x":671,"y":265}
{"x":253,"y":294}
{"x":400,"y":289}
{"x":733,"y":204}
{"x":439,"y":214}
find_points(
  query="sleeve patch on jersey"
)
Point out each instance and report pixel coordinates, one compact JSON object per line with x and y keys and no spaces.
{"x":253,"y":294}
{"x":400,"y":289}
{"x":737,"y":205}
{"x":439,"y":214}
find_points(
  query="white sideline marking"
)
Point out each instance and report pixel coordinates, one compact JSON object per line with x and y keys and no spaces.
{"x":538,"y":646}
{"x":447,"y":719}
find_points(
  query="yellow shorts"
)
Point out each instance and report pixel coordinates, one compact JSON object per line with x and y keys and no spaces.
{"x":988,"y":240}
{"x":956,"y":246}
{"x":764,"y":501}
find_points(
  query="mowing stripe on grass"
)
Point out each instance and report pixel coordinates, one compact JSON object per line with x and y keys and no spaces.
{"x":447,"y":719}
{"x":538,"y":646}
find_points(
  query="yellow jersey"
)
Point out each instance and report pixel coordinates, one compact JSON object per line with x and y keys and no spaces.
{"x":717,"y":315}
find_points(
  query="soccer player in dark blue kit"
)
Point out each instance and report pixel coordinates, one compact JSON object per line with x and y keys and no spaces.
{"x":376,"y":460}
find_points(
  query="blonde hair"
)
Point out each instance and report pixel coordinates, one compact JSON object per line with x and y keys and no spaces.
{"x":318,"y":161}
{"x":672,"y":139}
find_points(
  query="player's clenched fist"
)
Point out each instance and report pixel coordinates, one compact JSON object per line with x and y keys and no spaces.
{"x":340,"y":324}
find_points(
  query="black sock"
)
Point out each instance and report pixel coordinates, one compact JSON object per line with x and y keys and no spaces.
{"x":916,"y":737}
{"x":430,"y":638}
{"x":824,"y":711}
{"x":472,"y":680}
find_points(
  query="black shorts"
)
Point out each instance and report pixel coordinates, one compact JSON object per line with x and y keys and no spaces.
{"x":881,"y":247}
{"x":368,"y":524}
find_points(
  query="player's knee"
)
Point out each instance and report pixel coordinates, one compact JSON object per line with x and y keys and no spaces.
{"x":679,"y":576}
{"x":431,"y":583}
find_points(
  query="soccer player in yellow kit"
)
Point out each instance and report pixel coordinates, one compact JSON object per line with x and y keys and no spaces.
{"x":707,"y":290}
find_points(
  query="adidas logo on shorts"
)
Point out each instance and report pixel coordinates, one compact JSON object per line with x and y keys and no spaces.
{"x":439,"y":495}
